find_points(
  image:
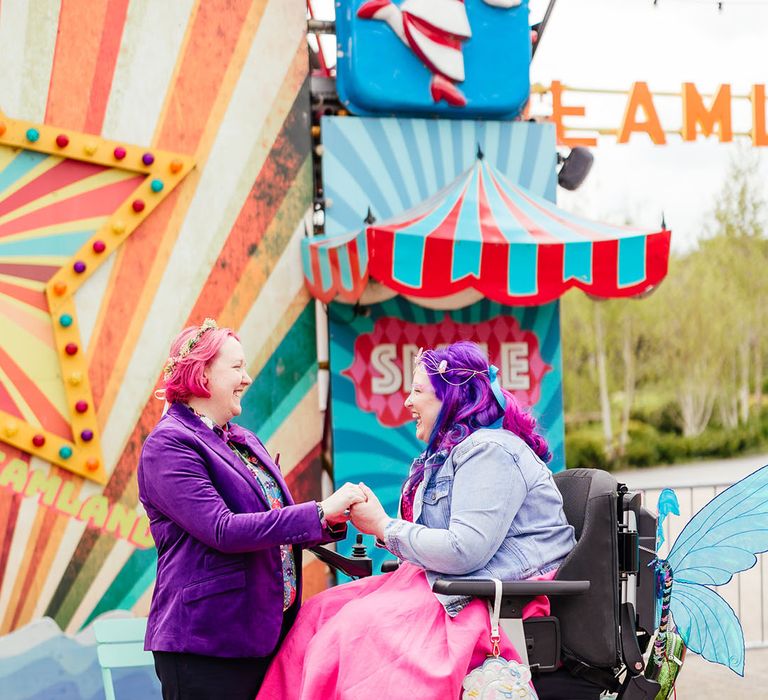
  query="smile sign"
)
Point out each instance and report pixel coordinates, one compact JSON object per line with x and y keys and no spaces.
{"x":383,"y":364}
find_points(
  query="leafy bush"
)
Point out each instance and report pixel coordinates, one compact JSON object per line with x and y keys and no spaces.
{"x":648,"y":446}
{"x":584,"y":448}
{"x":664,"y":416}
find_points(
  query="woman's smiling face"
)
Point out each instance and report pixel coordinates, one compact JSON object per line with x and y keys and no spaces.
{"x":423,"y":404}
{"x":226,"y":379}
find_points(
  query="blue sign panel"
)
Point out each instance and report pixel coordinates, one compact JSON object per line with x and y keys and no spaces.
{"x":372,"y":358}
{"x":444,"y":57}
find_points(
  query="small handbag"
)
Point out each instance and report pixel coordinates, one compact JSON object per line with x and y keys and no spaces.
{"x":498,"y":678}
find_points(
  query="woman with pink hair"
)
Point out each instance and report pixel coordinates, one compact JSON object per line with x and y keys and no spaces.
{"x":228,"y":534}
{"x":479,"y":502}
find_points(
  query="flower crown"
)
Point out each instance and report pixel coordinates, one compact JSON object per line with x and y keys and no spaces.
{"x":208,"y":325}
{"x":431,"y":366}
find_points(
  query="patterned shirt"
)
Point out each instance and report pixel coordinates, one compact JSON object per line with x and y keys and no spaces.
{"x":275,"y":498}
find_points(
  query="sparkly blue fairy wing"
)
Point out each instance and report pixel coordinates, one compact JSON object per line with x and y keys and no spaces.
{"x":708,"y":625}
{"x":724,"y":536}
{"x":667,"y":504}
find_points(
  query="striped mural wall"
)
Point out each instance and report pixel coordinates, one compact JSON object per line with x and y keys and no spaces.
{"x":225,"y":82}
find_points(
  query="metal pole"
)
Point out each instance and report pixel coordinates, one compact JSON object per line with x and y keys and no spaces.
{"x":542,"y":26}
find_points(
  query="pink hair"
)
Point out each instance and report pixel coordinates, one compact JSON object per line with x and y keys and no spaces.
{"x":186,"y":379}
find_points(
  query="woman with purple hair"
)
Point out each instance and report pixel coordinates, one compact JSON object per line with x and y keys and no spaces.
{"x":228,"y":533}
{"x":479,"y":502}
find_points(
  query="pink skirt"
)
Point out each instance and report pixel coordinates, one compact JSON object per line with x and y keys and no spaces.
{"x":384,"y":637}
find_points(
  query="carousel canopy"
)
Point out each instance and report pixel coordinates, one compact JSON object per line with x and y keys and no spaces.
{"x":483,"y":232}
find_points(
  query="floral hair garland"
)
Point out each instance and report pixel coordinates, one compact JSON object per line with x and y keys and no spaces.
{"x":208,"y":325}
{"x":428,"y":362}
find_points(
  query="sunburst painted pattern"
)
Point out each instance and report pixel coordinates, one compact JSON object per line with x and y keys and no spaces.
{"x":224,"y":81}
{"x":67,"y":201}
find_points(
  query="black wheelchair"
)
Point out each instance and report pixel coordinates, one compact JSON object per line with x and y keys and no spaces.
{"x":602,"y":600}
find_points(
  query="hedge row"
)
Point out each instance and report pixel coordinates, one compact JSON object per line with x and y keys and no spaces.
{"x":647,"y":446}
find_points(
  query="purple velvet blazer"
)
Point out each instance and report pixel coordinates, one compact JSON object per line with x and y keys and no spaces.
{"x":219,"y":588}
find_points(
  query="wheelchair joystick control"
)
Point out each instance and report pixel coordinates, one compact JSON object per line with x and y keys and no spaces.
{"x":359,"y":550}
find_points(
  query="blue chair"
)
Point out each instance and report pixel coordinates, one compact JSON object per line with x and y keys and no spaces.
{"x":120,"y":644}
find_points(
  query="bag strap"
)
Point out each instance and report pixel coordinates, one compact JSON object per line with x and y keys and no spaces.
{"x":495,"y":612}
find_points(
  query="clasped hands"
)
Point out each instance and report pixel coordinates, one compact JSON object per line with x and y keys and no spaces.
{"x":358,"y":503}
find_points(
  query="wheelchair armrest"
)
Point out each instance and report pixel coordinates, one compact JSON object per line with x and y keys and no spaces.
{"x":514,"y":594}
{"x":389,"y":565}
{"x":354,"y":567}
{"x":484,"y":588}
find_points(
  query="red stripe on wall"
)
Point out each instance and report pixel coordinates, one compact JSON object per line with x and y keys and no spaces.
{"x":106,"y":60}
{"x":9,"y":510}
{"x":45,"y":411}
{"x":209,"y":48}
{"x":38,"y":273}
{"x":78,"y":40}
{"x":29,"y":589}
{"x":272,"y":184}
{"x":32,"y":297}
{"x":98,"y":202}
{"x":61,"y":175}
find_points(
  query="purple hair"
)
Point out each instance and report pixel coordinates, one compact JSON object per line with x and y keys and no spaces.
{"x":468,"y":400}
{"x":186,"y":378}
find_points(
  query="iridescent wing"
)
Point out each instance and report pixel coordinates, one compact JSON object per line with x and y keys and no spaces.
{"x":724,"y":536}
{"x":719,"y":541}
{"x":708,"y":625}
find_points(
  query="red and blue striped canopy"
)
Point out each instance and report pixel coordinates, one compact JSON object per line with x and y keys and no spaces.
{"x":483,"y":232}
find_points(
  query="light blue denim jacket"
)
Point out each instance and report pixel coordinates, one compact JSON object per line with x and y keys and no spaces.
{"x":491,"y":509}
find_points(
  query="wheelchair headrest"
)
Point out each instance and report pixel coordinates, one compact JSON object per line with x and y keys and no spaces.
{"x":577,"y":487}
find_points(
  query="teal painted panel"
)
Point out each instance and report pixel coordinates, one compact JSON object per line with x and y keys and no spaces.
{"x":366,"y":445}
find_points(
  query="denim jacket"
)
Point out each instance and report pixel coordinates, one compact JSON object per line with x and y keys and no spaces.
{"x":491,"y":509}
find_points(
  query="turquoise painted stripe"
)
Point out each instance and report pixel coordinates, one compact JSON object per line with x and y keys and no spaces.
{"x":306,"y":259}
{"x":468,"y":239}
{"x":129,"y":585}
{"x":631,"y":260}
{"x":449,"y":196}
{"x":597,"y":227}
{"x":405,"y":167}
{"x":577,"y":261}
{"x":362,"y":251}
{"x":356,"y":156}
{"x":508,"y":224}
{"x":410,"y":242}
{"x":19,"y":167}
{"x":544,"y":175}
{"x":281,"y":412}
{"x":450,"y":167}
{"x":521,"y":269}
{"x":63,"y":244}
{"x":530,"y":156}
{"x":542,"y":219}
{"x":294,"y":357}
{"x":408,"y":259}
{"x":326,"y":274}
{"x":345,"y":269}
{"x":384,"y":142}
{"x":420,"y":161}
{"x":380,"y":143}
{"x":513,"y":166}
{"x":342,"y":216}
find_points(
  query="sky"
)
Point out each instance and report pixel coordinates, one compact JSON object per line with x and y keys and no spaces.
{"x":613,"y":43}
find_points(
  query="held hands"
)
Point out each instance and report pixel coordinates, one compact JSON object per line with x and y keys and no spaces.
{"x":336,"y":506}
{"x":368,"y":515}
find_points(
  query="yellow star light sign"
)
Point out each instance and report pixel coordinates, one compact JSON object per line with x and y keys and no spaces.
{"x":67,"y":201}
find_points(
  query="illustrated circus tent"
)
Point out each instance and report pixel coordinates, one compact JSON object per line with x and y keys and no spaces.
{"x":483,"y":233}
